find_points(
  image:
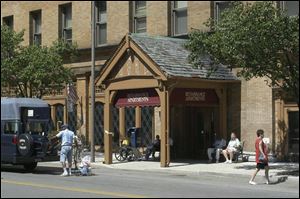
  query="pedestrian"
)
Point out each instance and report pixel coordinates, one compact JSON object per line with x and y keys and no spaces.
{"x":261,"y":157}
{"x":67,"y":137}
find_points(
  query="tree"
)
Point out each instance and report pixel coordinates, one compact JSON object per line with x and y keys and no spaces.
{"x":33,"y":69}
{"x":259,"y":38}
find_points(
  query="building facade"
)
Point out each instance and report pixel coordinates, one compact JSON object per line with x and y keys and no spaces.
{"x":243,"y":106}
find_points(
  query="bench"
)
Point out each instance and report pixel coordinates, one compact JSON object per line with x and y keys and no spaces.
{"x":236,"y":155}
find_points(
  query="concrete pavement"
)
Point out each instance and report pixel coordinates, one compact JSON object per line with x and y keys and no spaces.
{"x":278,"y":169}
{"x":46,"y":182}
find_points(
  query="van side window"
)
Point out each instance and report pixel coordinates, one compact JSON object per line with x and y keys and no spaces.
{"x":10,"y":128}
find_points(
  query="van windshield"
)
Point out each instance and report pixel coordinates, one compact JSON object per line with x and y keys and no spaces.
{"x":36,"y":127}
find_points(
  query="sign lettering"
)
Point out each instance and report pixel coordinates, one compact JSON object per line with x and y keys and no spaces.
{"x":194,"y":96}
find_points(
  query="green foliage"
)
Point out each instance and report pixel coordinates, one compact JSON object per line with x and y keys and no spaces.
{"x":259,"y":38}
{"x":33,"y":69}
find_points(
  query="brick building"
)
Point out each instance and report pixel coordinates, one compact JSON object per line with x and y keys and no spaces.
{"x":245,"y":106}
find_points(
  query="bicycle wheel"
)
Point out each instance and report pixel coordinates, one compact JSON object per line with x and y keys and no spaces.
{"x":120,"y":155}
{"x":131,"y":156}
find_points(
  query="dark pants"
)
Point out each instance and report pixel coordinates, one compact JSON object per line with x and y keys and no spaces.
{"x":150,"y":150}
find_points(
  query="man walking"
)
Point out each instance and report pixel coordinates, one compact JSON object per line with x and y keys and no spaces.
{"x":66,"y":149}
{"x":261,"y":157}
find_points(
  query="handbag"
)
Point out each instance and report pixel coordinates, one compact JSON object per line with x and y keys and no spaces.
{"x":261,"y":157}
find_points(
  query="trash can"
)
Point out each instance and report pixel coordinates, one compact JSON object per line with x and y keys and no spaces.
{"x":133,"y":133}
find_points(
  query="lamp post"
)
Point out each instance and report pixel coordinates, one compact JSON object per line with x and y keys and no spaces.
{"x":93,"y":84}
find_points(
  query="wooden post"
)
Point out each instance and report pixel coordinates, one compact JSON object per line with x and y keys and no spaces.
{"x":164,"y":125}
{"x":138,"y":117}
{"x":122,"y":122}
{"x":53,"y":116}
{"x":65,"y":113}
{"x":107,"y":129}
{"x":224,"y":112}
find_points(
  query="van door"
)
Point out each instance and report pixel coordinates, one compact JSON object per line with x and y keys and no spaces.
{"x":9,"y":137}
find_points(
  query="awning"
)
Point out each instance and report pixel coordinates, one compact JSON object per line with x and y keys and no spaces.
{"x":137,"y":97}
{"x":190,"y":96}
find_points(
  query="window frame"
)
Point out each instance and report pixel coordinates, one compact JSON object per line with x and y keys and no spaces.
{"x":217,"y":13}
{"x":175,"y":10}
{"x":100,"y":23}
{"x":283,"y":7}
{"x":33,"y":33}
{"x":11,"y":19}
{"x":63,"y":9}
{"x":136,"y":17}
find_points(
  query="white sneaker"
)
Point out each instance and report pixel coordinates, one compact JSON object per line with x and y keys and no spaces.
{"x":226,"y":162}
{"x":267,"y":182}
{"x":230,"y":161}
{"x":64,"y":174}
{"x":252,"y":182}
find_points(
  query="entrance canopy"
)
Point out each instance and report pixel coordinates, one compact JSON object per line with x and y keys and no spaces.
{"x":137,"y":97}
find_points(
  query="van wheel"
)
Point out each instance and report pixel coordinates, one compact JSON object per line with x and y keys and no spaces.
{"x":30,"y":166}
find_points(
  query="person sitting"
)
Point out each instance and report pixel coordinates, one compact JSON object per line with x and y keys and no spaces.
{"x":232,"y":147}
{"x":155,"y":146}
{"x":218,"y":145}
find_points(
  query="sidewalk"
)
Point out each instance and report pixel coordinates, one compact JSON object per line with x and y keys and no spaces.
{"x":242,"y":168}
{"x":197,"y":167}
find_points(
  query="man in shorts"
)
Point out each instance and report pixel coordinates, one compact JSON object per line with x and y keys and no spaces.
{"x":261,"y":157}
{"x":67,"y":137}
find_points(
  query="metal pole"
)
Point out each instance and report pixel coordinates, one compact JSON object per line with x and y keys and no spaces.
{"x":93,"y":84}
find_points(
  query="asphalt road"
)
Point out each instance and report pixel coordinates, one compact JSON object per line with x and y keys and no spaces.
{"x":46,"y":182}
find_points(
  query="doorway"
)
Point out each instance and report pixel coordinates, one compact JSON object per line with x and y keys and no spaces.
{"x":192,"y":129}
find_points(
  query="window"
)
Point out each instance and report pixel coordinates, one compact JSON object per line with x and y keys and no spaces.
{"x":220,"y":6}
{"x":36,"y":127}
{"x":36,"y":26}
{"x":101,"y":22}
{"x":291,"y":7}
{"x":9,"y":21}
{"x":139,"y":17}
{"x":179,"y":18}
{"x":66,"y":22}
{"x":11,"y":127}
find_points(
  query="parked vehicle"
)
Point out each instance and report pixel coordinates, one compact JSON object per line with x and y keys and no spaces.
{"x":24,"y":130}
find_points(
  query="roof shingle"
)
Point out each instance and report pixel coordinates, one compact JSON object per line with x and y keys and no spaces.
{"x":172,"y":57}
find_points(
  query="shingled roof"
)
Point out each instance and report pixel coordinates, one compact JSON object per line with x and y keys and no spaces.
{"x":172,"y":57}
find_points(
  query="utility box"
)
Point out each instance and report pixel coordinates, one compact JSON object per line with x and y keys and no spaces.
{"x":133,"y":134}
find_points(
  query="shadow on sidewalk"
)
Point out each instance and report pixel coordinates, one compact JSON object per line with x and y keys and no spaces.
{"x":288,"y":169}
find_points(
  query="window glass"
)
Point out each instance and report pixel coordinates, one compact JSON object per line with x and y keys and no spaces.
{"x":102,"y":33}
{"x":292,"y":8}
{"x":37,"y":23}
{"x":11,"y":127}
{"x":180,"y":4}
{"x":141,"y":25}
{"x":36,"y":127}
{"x":180,"y":22}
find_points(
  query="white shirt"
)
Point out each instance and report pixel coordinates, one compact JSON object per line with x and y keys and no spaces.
{"x":234,"y":143}
{"x":66,"y":137}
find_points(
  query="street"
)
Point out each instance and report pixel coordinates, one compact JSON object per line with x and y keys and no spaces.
{"x":106,"y":182}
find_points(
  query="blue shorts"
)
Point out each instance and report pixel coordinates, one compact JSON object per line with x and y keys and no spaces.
{"x":66,"y":154}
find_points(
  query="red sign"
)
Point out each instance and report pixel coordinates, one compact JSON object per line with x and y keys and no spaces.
{"x":138,"y":97}
{"x":190,"y":96}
